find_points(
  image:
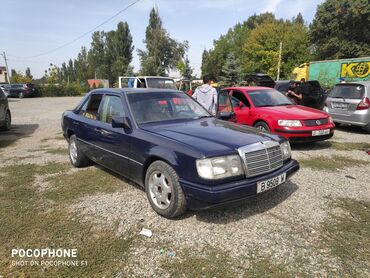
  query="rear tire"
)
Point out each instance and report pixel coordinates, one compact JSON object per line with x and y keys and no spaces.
{"x":77,"y":158}
{"x":8,"y":122}
{"x":164,"y":191}
{"x":262,"y":126}
{"x":367,"y":128}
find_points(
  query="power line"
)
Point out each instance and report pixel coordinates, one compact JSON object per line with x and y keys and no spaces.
{"x":84,"y":34}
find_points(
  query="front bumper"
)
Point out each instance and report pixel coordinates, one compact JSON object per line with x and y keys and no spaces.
{"x":200,"y":196}
{"x":305,"y":134}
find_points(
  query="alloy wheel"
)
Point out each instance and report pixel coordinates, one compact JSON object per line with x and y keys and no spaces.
{"x":160,"y":190}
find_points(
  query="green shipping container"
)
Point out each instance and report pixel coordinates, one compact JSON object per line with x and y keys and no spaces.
{"x":329,"y":72}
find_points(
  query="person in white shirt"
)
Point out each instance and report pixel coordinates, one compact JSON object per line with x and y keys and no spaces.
{"x":206,"y":95}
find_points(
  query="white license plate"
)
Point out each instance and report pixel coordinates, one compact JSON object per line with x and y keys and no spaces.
{"x":320,"y":132}
{"x":271,"y":183}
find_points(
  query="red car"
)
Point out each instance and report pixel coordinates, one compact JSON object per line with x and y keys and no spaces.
{"x":268,"y":109}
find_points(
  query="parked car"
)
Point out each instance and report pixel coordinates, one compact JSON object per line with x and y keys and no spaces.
{"x":269,"y":110}
{"x":168,"y":143}
{"x":313,"y":95}
{"x":260,"y":79}
{"x":349,"y":103}
{"x":23,"y":90}
{"x":6,"y":89}
{"x":5,"y":115}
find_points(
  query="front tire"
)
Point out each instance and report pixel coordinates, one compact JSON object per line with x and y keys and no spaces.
{"x":164,"y":191}
{"x":8,"y":122}
{"x":77,"y":158}
{"x":262,"y":126}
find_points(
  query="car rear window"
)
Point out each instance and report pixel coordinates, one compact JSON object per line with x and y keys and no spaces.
{"x":349,"y":91}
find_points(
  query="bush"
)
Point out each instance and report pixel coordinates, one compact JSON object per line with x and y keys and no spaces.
{"x":63,"y":90}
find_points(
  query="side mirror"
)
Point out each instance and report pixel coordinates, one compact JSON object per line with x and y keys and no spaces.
{"x":226,"y":116}
{"x":240,"y":104}
{"x":121,"y":122}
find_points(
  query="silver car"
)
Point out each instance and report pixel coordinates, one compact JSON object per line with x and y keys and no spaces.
{"x":349,"y":103}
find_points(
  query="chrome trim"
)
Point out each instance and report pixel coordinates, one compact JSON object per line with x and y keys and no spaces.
{"x":117,"y":154}
{"x":263,"y":155}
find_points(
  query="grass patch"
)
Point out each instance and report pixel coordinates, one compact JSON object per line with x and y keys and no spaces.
{"x":57,"y":151}
{"x":23,"y":224}
{"x":218,"y":263}
{"x":72,"y":186}
{"x":6,"y":143}
{"x":348,"y":236}
{"x":350,"y":146}
{"x":212,"y":264}
{"x":333,"y":163}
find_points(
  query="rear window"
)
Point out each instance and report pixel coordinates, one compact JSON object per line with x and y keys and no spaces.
{"x":349,"y":91}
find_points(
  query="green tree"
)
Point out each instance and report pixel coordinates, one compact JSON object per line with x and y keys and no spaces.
{"x":19,"y":77}
{"x":96,"y":55}
{"x":341,"y":29}
{"x":81,"y":65}
{"x":231,"y":70}
{"x":184,"y":68}
{"x":28,"y":73}
{"x":162,"y":52}
{"x":262,"y":49}
{"x":214,"y":60}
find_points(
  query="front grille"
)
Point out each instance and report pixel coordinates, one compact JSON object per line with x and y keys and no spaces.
{"x":316,"y":122}
{"x":262,"y":158}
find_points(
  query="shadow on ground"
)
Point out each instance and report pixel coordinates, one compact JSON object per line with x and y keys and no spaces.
{"x":351,"y":129}
{"x":17,"y":132}
{"x":247,"y":208}
{"x":310,"y":146}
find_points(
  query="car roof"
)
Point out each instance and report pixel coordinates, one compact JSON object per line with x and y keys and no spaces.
{"x":133,"y":90}
{"x":364,"y":83}
{"x":249,"y":88}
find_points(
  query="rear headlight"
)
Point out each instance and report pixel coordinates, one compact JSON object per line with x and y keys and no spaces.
{"x":364,"y":104}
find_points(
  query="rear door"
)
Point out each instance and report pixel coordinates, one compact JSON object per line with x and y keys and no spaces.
{"x":344,"y":98}
{"x":113,"y":144}
{"x":86,"y":124}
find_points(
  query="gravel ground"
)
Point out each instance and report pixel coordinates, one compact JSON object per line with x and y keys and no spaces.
{"x":281,"y":225}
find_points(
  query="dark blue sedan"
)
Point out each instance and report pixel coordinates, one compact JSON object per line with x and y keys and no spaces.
{"x":168,"y":143}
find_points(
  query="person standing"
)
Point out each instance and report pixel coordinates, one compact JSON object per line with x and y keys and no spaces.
{"x":206,"y":95}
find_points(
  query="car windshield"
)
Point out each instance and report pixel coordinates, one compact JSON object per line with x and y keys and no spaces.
{"x":164,"y":106}
{"x":161,"y":83}
{"x":261,"y":98}
{"x":349,"y":91}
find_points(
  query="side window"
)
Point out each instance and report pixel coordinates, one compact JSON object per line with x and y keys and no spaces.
{"x":91,"y":107}
{"x":241,"y":97}
{"x":223,"y":103}
{"x":111,"y":107}
{"x":141,"y":83}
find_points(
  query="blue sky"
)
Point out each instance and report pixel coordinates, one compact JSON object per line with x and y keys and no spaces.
{"x":29,"y":28}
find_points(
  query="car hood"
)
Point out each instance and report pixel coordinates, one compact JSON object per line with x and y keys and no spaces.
{"x":293,"y":112}
{"x":210,"y":136}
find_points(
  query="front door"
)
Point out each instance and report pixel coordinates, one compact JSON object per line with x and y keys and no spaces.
{"x":113,"y":144}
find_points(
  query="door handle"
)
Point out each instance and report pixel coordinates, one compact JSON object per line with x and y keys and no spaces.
{"x":102,"y":131}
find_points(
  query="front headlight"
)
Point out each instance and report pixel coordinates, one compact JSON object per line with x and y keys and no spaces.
{"x":220,"y":167}
{"x":285,"y":150}
{"x":289,"y":123}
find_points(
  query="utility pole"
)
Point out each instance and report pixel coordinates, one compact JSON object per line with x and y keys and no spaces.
{"x":279,"y":62}
{"x":7,"y":69}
